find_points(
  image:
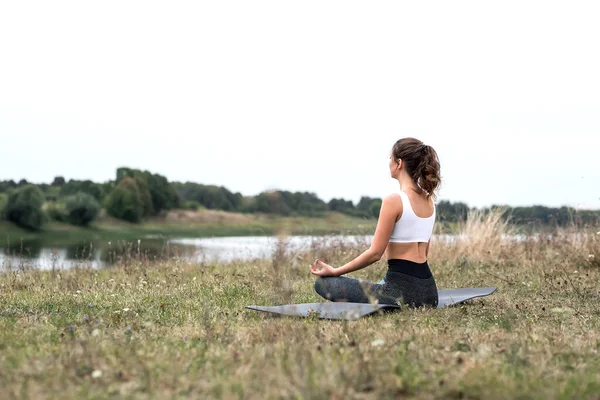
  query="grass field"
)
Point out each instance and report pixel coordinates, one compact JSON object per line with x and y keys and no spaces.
{"x":180,"y":223}
{"x":179,"y":330}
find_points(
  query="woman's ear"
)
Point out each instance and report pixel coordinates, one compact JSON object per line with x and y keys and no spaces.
{"x":399,"y":161}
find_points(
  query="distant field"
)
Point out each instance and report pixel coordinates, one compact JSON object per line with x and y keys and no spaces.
{"x":183,"y":223}
{"x":181,"y":330}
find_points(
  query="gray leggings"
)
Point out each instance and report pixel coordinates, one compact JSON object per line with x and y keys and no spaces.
{"x":398,"y":287}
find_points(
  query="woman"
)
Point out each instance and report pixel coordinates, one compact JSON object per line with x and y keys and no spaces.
{"x":403,"y":234}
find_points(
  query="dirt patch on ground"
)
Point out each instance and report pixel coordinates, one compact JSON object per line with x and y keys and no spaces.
{"x":207,"y":217}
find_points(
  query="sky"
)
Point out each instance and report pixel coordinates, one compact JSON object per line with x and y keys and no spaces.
{"x":307,"y":96}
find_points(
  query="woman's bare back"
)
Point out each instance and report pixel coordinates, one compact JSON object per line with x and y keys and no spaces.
{"x":416,"y":251}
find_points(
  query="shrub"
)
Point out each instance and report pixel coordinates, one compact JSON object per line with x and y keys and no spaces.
{"x":56,"y":211}
{"x":3,"y":200}
{"x":58,"y":181}
{"x":73,"y":187}
{"x":81,"y":209}
{"x":191,"y":205}
{"x":125,"y":202}
{"x":24,"y":207}
{"x":375,"y":207}
{"x":156,"y":193}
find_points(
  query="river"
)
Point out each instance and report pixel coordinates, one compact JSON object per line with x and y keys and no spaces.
{"x":215,"y":249}
{"x":100,"y":254}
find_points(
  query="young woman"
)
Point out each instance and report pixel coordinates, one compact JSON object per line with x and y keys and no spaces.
{"x":403,"y":234}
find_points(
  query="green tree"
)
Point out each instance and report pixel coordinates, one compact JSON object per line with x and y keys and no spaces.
{"x":58,"y":181}
{"x":56,"y":211}
{"x":303,"y":203}
{"x":340,"y":205}
{"x":3,"y":201}
{"x":142,"y":187}
{"x":81,"y":209}
{"x":157,"y":194}
{"x":248,"y":204}
{"x":451,"y":212}
{"x":123,"y":173}
{"x":365,"y":207}
{"x":24,"y":207}
{"x":125,"y":202}
{"x":73,"y":187}
{"x":5,"y":186}
{"x":271,"y":203}
{"x":364,"y":203}
{"x":209,"y":196}
{"x":191,"y":205}
{"x":375,"y":208}
{"x":145,"y":196}
{"x":162,"y":193}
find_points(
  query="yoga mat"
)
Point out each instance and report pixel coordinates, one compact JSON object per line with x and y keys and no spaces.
{"x":351,"y":311}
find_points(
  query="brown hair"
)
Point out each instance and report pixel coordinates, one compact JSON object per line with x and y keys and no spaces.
{"x":421,"y":162}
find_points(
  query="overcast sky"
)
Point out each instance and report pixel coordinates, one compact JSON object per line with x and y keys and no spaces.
{"x":306,"y":95}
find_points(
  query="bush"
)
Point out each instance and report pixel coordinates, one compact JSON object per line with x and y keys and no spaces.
{"x":156,"y":193}
{"x":58,"y":181}
{"x":3,"y":200}
{"x":56,"y":211}
{"x":125,"y":202}
{"x":163,"y":194}
{"x":340,"y":205}
{"x":272,"y":203}
{"x":6,"y":186}
{"x":81,"y":209}
{"x":210,"y":196}
{"x":192,"y":205}
{"x":73,"y":187}
{"x":375,"y":208}
{"x":24,"y":207}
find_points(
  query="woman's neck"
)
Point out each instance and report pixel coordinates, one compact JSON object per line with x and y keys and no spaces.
{"x":406,"y":184}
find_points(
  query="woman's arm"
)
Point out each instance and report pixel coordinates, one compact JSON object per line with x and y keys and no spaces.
{"x":391,"y":207}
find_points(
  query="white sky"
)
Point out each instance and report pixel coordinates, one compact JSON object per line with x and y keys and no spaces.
{"x":306,"y":95}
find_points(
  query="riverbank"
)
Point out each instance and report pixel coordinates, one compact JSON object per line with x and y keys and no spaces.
{"x":188,"y":224}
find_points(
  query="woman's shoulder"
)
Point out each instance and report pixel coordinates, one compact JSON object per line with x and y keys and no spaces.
{"x":393,"y":199}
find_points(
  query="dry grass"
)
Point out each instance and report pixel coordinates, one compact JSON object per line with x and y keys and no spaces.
{"x":206,"y":216}
{"x":175,"y":329}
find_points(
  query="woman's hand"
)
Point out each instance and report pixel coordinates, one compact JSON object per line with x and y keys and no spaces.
{"x":325,"y":269}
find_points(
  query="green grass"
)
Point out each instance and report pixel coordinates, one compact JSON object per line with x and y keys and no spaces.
{"x":181,"y":330}
{"x":56,"y":233}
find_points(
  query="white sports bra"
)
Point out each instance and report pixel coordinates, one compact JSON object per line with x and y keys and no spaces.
{"x":410,"y":227}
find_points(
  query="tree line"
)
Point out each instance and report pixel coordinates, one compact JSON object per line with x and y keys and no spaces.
{"x":534,"y":216}
{"x":135,"y":195}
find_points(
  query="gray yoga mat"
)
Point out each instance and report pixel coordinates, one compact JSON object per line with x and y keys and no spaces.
{"x":350,"y":311}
